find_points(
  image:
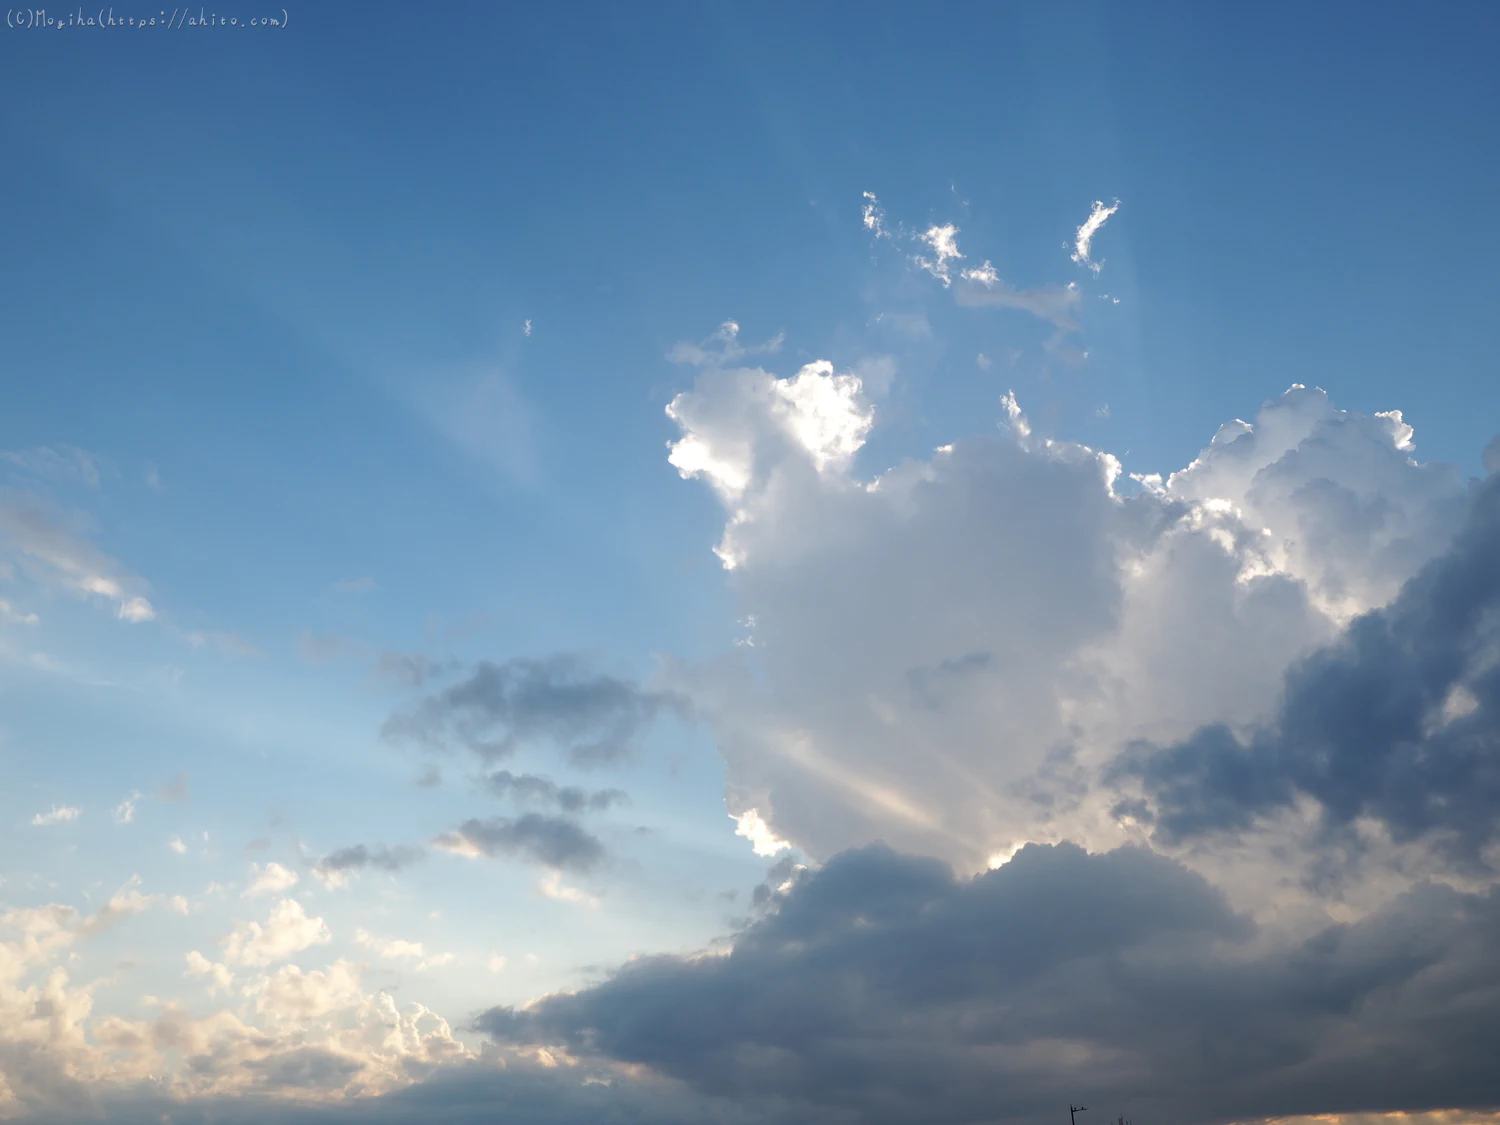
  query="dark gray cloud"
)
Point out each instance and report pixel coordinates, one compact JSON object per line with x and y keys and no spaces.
{"x":552,"y":841}
{"x":593,"y":718}
{"x":884,"y":990}
{"x":357,"y":857}
{"x":543,"y":790}
{"x":1398,"y":721}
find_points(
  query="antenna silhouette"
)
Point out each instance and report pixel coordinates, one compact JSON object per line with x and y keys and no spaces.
{"x":1073,"y":1111}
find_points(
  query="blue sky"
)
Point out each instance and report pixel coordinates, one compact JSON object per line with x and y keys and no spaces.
{"x":337,"y":361}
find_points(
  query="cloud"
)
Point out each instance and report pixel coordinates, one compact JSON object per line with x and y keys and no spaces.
{"x":60,"y":814}
{"x":740,"y":426}
{"x":124,"y":812}
{"x":65,"y":463}
{"x":1084,"y":240}
{"x":399,"y":950}
{"x":272,"y":879}
{"x":592,"y":717}
{"x":543,"y":790}
{"x":1397,"y":722}
{"x":526,"y":328}
{"x":361,"y":585}
{"x":410,"y":669}
{"x":288,"y":931}
{"x":885,"y":990}
{"x":176,"y":844}
{"x":979,"y":286}
{"x":983,"y":288}
{"x":943,"y":242}
{"x":873,"y":216}
{"x":135,"y":610}
{"x":551,"y":841}
{"x":947,"y":653}
{"x":11,"y":615}
{"x":333,"y":869}
{"x":54,"y":554}
{"x":763,"y":841}
{"x":723,"y":348}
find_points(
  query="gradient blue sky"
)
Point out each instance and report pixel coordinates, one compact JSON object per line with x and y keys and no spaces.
{"x":351,"y":338}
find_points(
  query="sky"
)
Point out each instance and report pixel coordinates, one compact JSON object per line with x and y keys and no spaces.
{"x":763,"y":564}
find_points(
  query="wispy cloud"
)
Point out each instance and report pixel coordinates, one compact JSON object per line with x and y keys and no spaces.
{"x":58,"y":815}
{"x":124,"y":812}
{"x":1057,"y":304}
{"x":54,"y":554}
{"x":11,"y":614}
{"x":1083,"y":242}
{"x":723,"y":348}
{"x":981,"y":285}
{"x":62,"y":463}
{"x":943,"y":242}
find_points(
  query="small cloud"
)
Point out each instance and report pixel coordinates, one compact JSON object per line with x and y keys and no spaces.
{"x":136,"y":610}
{"x":874,"y":216}
{"x":272,"y":879}
{"x":984,"y":361}
{"x":752,"y":827}
{"x":64,"y":463}
{"x":1055,"y":303}
{"x":12,"y":615}
{"x":497,"y":963}
{"x":526,"y":328}
{"x":58,"y":815}
{"x":399,"y":950}
{"x":176,"y":844}
{"x":723,"y":348}
{"x":554,"y":888}
{"x":124,"y":812}
{"x":153,"y":478}
{"x":552,"y":841}
{"x":53,"y":552}
{"x":361,"y":585}
{"x":943,"y":241}
{"x":333,"y":869}
{"x":1083,"y":243}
